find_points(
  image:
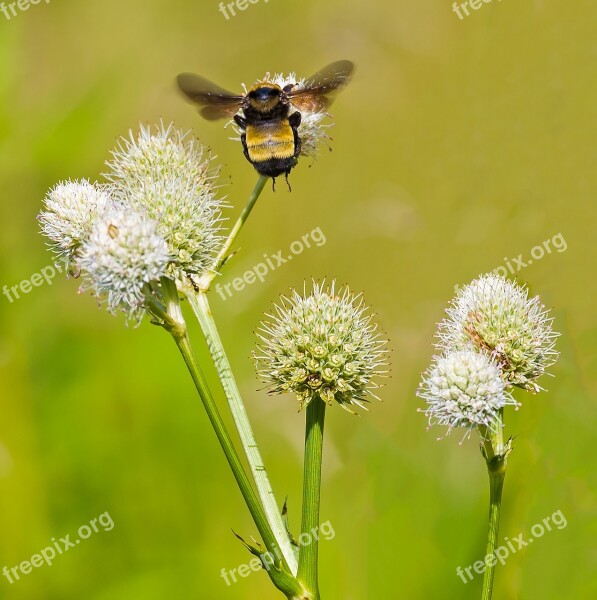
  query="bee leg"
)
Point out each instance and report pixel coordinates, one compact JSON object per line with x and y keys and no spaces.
{"x":242,"y":123}
{"x":273,"y":184}
{"x":295,"y":119}
{"x":243,"y":139}
{"x":298,"y":144}
{"x":288,"y":182}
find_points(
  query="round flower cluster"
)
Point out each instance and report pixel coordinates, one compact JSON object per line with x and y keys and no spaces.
{"x":493,"y":338}
{"x":321,"y":345}
{"x":71,"y":210}
{"x":497,"y":316}
{"x":464,"y":388}
{"x":166,"y":174}
{"x":123,"y":254}
{"x":157,"y":216}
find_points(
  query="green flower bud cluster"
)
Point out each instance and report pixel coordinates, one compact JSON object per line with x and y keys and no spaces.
{"x":321,"y":345}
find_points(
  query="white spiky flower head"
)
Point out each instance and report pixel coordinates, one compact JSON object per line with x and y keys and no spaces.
{"x":321,"y":345}
{"x":313,"y":128}
{"x":71,"y":208}
{"x":464,"y":388}
{"x":123,"y":255}
{"x":496,"y":316}
{"x":168,"y":175}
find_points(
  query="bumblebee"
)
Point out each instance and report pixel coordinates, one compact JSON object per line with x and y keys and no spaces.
{"x":268,"y":115}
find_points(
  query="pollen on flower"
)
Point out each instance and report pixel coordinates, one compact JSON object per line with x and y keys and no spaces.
{"x":123,"y":255}
{"x":71,"y":208}
{"x":496,"y":316}
{"x":321,"y":345}
{"x":464,"y":388}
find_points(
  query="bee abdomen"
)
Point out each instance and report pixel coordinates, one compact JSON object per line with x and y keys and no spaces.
{"x":270,"y":140}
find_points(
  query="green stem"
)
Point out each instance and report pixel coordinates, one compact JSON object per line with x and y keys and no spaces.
{"x":309,"y":553}
{"x":202,"y":311}
{"x":496,"y":484}
{"x":173,"y":321}
{"x":278,"y":573}
{"x":496,"y":456}
{"x":225,"y":251}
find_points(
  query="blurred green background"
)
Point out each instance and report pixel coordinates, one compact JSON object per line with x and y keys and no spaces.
{"x":459,"y":143}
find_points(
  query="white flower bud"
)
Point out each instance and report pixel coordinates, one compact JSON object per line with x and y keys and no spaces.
{"x":123,"y":255}
{"x":464,"y":388}
{"x":71,"y":209}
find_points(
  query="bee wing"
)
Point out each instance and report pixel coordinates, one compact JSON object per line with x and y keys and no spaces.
{"x":320,"y":89}
{"x":216,"y":112}
{"x":217,"y":102}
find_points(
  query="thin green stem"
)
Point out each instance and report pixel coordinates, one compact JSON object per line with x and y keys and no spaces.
{"x":225,"y":251}
{"x":172,"y":320}
{"x":309,"y":553}
{"x":279,"y":573}
{"x":202,"y":311}
{"x":218,"y":424}
{"x":496,"y":484}
{"x":496,"y":456}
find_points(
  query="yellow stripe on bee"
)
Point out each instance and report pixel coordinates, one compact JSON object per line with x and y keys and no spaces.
{"x":269,"y":140}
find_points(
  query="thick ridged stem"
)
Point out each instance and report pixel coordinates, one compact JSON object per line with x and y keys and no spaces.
{"x":309,"y":553}
{"x":273,"y":514}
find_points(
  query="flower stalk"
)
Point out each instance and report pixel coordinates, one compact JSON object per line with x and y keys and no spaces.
{"x":494,"y":338}
{"x":279,"y":573}
{"x":324,"y":348}
{"x":202,"y":310}
{"x":309,"y":554}
{"x":225,"y":251}
{"x":173,"y":322}
{"x":496,"y":455}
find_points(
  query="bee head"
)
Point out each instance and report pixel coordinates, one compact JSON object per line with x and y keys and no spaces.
{"x":264,"y":97}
